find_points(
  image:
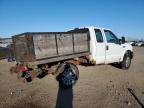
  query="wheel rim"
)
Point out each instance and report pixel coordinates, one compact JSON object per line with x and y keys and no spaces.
{"x":69,"y":76}
{"x":128,"y":61}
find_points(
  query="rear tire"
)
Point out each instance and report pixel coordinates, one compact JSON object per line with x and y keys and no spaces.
{"x":125,"y":64}
{"x":67,"y":75}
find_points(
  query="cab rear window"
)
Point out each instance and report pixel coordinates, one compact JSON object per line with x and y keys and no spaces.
{"x":99,"y":36}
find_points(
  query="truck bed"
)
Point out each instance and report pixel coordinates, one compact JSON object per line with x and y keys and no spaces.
{"x":45,"y":47}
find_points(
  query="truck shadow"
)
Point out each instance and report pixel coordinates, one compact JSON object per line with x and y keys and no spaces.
{"x":64,"y":98}
{"x":116,"y":65}
{"x":113,"y":65}
{"x":42,"y":75}
{"x":86,"y":64}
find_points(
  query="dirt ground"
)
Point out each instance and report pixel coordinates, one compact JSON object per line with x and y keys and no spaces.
{"x":101,"y":86}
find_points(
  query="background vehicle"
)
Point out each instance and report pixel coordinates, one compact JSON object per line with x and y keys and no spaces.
{"x":7,"y":53}
{"x":140,"y":43}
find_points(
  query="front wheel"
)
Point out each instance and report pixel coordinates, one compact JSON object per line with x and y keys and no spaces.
{"x":125,"y":64}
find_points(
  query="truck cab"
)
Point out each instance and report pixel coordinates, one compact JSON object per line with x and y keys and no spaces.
{"x":106,"y":48}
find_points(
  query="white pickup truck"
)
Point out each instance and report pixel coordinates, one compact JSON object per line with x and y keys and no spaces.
{"x":106,"y":48}
{"x":59,"y":52}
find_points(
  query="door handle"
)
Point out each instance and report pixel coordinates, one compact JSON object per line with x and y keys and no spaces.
{"x":107,"y":47}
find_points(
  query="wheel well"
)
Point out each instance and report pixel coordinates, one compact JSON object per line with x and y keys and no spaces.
{"x":130,"y":53}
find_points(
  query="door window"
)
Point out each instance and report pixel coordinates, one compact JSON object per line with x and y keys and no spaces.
{"x":99,"y":36}
{"x":110,"y":37}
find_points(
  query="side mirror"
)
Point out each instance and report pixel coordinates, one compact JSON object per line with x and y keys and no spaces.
{"x":123,"y":40}
{"x":120,"y":41}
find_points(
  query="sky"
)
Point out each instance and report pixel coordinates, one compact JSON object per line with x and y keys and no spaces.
{"x":123,"y":17}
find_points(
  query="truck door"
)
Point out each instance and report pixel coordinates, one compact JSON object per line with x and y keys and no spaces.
{"x":113,"y":48}
{"x":100,"y":47}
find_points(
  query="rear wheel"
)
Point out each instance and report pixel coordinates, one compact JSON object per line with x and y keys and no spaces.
{"x":67,"y":75}
{"x":125,"y":64}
